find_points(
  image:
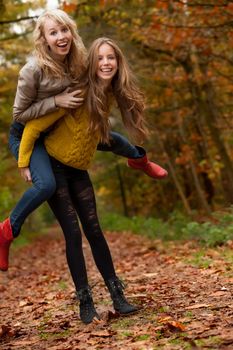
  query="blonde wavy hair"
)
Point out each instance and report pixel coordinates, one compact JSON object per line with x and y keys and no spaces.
{"x":124,"y":88}
{"x":75,"y":63}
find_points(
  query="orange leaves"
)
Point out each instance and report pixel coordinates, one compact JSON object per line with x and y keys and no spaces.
{"x":186,"y":155}
{"x":155,"y":25}
{"x":172,"y":324}
{"x":162,"y":5}
{"x":230,"y":7}
{"x":103,"y":2}
{"x":202,"y":44}
{"x":179,"y":25}
{"x":182,"y":302}
{"x":168,"y":92}
{"x":69,"y":7}
{"x":179,"y":38}
{"x":230,"y":37}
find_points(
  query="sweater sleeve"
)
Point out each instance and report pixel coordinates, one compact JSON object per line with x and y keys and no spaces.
{"x":25,"y":105}
{"x":32,"y":132}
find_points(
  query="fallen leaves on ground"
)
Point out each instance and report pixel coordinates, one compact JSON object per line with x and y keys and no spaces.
{"x":185,"y":295}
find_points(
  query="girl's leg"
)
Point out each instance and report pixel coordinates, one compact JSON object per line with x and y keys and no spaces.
{"x":62,"y":206}
{"x":63,"y":209}
{"x":137,"y":158}
{"x":121,"y":146}
{"x":83,"y":198}
{"x":43,"y":184}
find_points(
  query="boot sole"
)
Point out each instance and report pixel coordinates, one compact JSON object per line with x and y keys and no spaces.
{"x":129,"y":313}
{"x":3,"y":269}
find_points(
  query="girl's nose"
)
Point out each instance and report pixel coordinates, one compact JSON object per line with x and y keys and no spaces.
{"x":60,"y":35}
{"x":105,"y":60}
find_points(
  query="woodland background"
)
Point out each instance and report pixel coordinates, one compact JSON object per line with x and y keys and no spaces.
{"x":181,"y":52}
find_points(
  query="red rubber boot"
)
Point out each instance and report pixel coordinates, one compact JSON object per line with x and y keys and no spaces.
{"x":150,"y":168}
{"x":6,"y":237}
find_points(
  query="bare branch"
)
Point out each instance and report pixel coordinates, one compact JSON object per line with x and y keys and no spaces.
{"x":221,"y":57}
{"x":220,"y":25}
{"x":189,"y":4}
{"x":18,"y":20}
{"x":228,"y":77}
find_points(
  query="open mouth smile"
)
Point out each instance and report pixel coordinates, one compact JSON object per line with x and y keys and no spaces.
{"x":62,"y":45}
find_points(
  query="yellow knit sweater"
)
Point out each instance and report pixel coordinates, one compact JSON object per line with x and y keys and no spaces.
{"x":69,"y":141}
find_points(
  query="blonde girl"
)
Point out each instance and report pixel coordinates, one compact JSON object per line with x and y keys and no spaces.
{"x":71,"y":145}
{"x":44,"y":87}
{"x":48,"y":83}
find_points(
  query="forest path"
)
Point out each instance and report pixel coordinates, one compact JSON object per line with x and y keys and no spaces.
{"x":185,"y":291}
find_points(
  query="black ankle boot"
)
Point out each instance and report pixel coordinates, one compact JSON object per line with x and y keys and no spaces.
{"x":120,"y":304}
{"x":86,"y":305}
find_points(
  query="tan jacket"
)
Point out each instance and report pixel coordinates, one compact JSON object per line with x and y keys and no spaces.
{"x":35,"y":92}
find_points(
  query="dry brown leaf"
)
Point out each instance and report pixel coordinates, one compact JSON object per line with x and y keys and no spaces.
{"x":197,"y":306}
{"x":102,"y":333}
{"x":218,"y":294}
{"x":176,"y":298}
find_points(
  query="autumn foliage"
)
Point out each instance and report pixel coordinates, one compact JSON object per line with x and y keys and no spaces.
{"x":181,"y":53}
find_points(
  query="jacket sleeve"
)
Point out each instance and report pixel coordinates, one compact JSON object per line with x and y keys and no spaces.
{"x":25,"y":105}
{"x":32,"y":132}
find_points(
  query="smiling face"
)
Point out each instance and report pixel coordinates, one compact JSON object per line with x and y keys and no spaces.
{"x":59,"y":39}
{"x":107,"y":63}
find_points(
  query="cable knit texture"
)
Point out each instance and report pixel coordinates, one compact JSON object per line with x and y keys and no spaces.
{"x":69,"y":141}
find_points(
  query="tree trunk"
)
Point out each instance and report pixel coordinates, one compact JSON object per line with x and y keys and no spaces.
{"x":197,"y":184}
{"x":122,"y":190}
{"x":207,"y":110}
{"x":177,"y":183}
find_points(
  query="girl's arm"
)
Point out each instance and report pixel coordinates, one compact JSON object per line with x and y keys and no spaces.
{"x":32,"y":132}
{"x":25,"y":106}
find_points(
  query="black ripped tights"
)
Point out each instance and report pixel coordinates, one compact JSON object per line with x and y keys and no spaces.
{"x":75,"y":196}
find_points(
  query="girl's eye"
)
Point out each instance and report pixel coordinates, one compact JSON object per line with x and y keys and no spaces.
{"x":53,"y":32}
{"x":65,"y":30}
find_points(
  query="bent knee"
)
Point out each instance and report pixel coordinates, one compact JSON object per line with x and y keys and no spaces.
{"x":46,"y":189}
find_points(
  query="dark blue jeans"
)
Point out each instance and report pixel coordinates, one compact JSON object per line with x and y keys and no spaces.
{"x":121,"y":146}
{"x":43,"y":180}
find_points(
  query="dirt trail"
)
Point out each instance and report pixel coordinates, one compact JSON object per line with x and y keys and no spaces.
{"x":186,"y":296}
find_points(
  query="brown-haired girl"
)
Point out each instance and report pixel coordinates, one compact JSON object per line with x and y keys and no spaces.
{"x":71,"y":145}
{"x":44,"y":86}
{"x":40,"y":91}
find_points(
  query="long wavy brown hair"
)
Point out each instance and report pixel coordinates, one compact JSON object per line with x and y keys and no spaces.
{"x":124,"y":89}
{"x":75,"y":62}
